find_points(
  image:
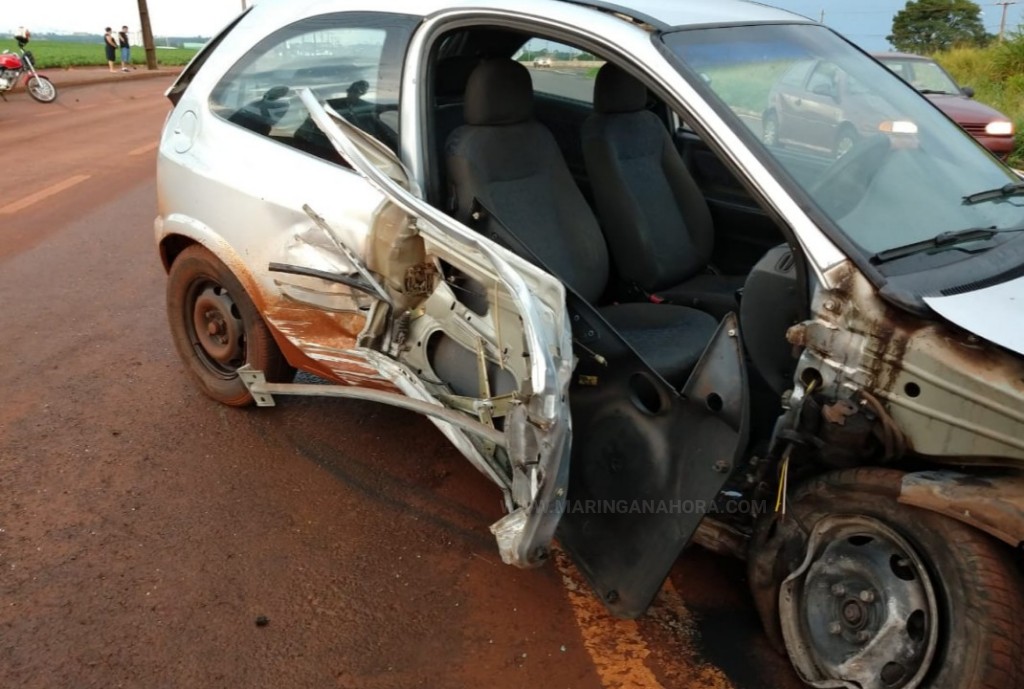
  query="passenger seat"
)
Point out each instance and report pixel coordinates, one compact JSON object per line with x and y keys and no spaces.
{"x":507,"y":162}
{"x":653,"y":214}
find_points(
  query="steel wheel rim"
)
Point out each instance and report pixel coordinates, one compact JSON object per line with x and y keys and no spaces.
{"x":215,"y":328}
{"x":861,"y":610}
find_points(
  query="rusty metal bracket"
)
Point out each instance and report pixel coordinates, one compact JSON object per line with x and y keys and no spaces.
{"x":263,"y":393}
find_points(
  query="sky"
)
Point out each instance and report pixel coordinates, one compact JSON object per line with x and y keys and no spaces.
{"x":167,"y":17}
{"x":866,"y":22}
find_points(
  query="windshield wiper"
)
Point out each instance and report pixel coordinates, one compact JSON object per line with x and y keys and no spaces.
{"x":1011,"y":189}
{"x":940,"y":241}
{"x":931,"y":92}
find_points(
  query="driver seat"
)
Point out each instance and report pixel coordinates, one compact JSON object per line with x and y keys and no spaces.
{"x":653,"y":213}
{"x":505,"y":168}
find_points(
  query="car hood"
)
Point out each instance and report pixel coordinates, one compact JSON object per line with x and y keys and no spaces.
{"x":965,"y":110}
{"x":992,"y":313}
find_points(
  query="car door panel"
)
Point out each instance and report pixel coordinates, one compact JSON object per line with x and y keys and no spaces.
{"x":647,"y":460}
{"x":522,"y":329}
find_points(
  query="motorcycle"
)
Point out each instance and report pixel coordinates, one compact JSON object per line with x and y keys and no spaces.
{"x":15,"y":65}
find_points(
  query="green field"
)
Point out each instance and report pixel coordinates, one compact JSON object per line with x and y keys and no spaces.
{"x":61,"y":54}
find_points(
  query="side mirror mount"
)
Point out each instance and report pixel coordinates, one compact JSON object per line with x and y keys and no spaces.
{"x":967,"y":91}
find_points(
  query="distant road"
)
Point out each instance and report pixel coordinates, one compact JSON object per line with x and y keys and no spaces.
{"x":574,"y":85}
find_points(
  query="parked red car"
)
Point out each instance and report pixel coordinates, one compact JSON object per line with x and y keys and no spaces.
{"x":989,"y":126}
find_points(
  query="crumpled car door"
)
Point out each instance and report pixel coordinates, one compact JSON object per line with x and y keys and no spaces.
{"x":515,"y":332}
{"x":647,"y":460}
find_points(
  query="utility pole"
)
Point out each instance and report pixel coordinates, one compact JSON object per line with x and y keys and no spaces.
{"x":821,"y":19}
{"x":1002,"y":21}
{"x":147,"y":35}
{"x":243,"y":5}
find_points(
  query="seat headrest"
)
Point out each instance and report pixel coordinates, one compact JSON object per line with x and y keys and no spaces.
{"x":616,"y":91}
{"x":451,"y":75}
{"x":499,"y":91}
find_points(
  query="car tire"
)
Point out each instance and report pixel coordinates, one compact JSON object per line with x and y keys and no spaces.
{"x":979,"y":639}
{"x":216,"y":328}
{"x":845,"y":140}
{"x":770,"y":129}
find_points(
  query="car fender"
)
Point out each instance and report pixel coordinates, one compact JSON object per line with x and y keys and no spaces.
{"x":178,"y":227}
{"x":993,"y":503}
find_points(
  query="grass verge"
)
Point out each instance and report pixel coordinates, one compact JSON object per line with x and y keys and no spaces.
{"x":61,"y":54}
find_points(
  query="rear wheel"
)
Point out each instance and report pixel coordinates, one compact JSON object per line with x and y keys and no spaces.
{"x":42,"y":89}
{"x":216,"y":328}
{"x":894,"y":597}
{"x":845,"y":140}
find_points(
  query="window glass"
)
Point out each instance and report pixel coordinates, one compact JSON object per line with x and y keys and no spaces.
{"x":560,"y":70}
{"x":351,"y":61}
{"x":880,"y":161}
{"x":922,"y":75}
{"x":796,"y":74}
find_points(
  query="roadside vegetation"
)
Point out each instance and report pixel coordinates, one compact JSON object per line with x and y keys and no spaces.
{"x":996,"y":73}
{"x":62,"y":54}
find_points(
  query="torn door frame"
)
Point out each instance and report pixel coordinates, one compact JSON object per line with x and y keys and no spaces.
{"x":537,"y":425}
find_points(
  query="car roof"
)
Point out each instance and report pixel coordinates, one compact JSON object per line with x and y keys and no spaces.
{"x":661,"y":14}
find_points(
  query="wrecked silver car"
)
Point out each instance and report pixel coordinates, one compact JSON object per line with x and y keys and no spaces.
{"x":632,"y":311}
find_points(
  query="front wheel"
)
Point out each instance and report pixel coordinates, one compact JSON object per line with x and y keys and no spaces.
{"x":42,"y":89}
{"x":216,"y":328}
{"x":889,"y":596}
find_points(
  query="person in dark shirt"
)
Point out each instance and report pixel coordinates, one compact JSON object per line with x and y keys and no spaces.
{"x":110,"y":44}
{"x":126,"y":50}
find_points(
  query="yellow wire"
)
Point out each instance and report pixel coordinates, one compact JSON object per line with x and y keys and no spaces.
{"x":783,"y":474}
{"x":780,"y":496}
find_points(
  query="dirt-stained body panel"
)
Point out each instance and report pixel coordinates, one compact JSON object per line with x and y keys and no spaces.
{"x":953,"y":396}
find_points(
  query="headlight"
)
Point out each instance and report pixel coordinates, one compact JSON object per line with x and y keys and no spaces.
{"x":999,"y":128}
{"x":898,"y":127}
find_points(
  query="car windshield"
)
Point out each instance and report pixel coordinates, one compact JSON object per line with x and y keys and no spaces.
{"x":924,"y":75}
{"x":883,"y":164}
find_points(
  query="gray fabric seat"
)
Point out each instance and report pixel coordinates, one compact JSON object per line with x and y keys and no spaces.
{"x":506,"y":168}
{"x":450,"y":77}
{"x":653,"y":214}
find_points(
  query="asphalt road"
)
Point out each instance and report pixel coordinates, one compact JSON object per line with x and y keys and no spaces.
{"x":144,"y":529}
{"x":563,"y":82}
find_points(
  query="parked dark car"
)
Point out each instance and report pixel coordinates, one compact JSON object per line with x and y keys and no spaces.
{"x":989,"y":126}
{"x":818,"y":106}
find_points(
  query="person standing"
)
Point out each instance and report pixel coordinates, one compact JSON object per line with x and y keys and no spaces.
{"x":110,"y":43}
{"x":125,"y":46}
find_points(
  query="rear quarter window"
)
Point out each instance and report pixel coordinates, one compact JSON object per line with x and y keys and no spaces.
{"x":352,"y":62}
